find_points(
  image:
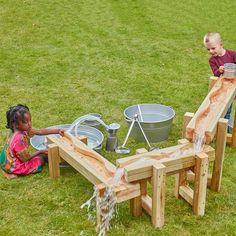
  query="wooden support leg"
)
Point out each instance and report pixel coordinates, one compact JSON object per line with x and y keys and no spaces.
{"x":143,"y":186}
{"x":158,"y":198}
{"x":219,"y":158}
{"x":136,"y":206}
{"x":234,"y":132}
{"x":53,"y":161}
{"x":180,"y":180}
{"x":200,"y":184}
{"x":136,"y":203}
{"x":187,"y":118}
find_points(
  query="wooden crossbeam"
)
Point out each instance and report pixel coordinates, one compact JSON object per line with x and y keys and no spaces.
{"x":147,"y":204}
{"x":186,"y":193}
{"x":160,"y":154}
{"x":143,"y":170}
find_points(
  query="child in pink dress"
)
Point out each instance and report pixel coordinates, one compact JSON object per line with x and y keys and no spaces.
{"x":15,"y":157}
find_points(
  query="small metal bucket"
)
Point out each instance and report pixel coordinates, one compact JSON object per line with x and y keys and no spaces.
{"x":229,"y":71}
{"x":155,"y":119}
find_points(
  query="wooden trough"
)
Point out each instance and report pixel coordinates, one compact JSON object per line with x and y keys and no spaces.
{"x":94,"y":167}
{"x":215,"y":105}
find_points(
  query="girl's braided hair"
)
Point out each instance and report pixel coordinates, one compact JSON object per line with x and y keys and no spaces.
{"x":15,"y":114}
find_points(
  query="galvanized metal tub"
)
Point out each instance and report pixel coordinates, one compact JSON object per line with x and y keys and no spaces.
{"x":155,"y":119}
{"x":94,"y":136}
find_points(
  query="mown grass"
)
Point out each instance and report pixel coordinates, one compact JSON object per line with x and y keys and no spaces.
{"x":65,"y":59}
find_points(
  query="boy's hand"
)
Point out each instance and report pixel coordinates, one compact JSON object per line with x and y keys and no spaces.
{"x":62,"y":132}
{"x":221,"y":69}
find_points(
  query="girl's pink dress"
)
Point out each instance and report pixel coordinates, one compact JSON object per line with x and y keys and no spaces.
{"x":16,"y":146}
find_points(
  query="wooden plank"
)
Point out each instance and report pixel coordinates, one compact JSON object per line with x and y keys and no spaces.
{"x":158,"y":198}
{"x":136,"y":203}
{"x":229,"y":139}
{"x":183,"y":141}
{"x":143,"y":186}
{"x":91,"y":174}
{"x":80,"y":162}
{"x":220,"y":151}
{"x":122,"y":162}
{"x":53,"y":161}
{"x":187,"y":118}
{"x":190,"y":176}
{"x":124,"y":191}
{"x":127,"y":195}
{"x":141,"y":150}
{"x":134,"y":172}
{"x":147,"y":204}
{"x":127,"y":192}
{"x":220,"y":109}
{"x":186,"y":193}
{"x":209,"y":177}
{"x":158,"y":154}
{"x":134,"y":178}
{"x":142,"y":182}
{"x":200,"y":184}
{"x":67,"y":143}
{"x":136,"y":206}
{"x":180,"y":180}
{"x":148,"y":174}
{"x":82,"y":148}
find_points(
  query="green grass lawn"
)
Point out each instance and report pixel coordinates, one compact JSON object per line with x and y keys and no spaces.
{"x":65,"y":59}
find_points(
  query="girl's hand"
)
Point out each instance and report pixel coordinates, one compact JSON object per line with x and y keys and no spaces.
{"x":62,"y":132}
{"x":221,"y":69}
{"x":44,"y":152}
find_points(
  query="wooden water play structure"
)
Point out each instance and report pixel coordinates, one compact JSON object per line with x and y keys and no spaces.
{"x":181,"y":160}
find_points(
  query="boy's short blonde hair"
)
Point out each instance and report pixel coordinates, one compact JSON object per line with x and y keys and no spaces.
{"x":212,"y":36}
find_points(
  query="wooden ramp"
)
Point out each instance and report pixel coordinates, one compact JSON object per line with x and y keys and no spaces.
{"x":214,"y":107}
